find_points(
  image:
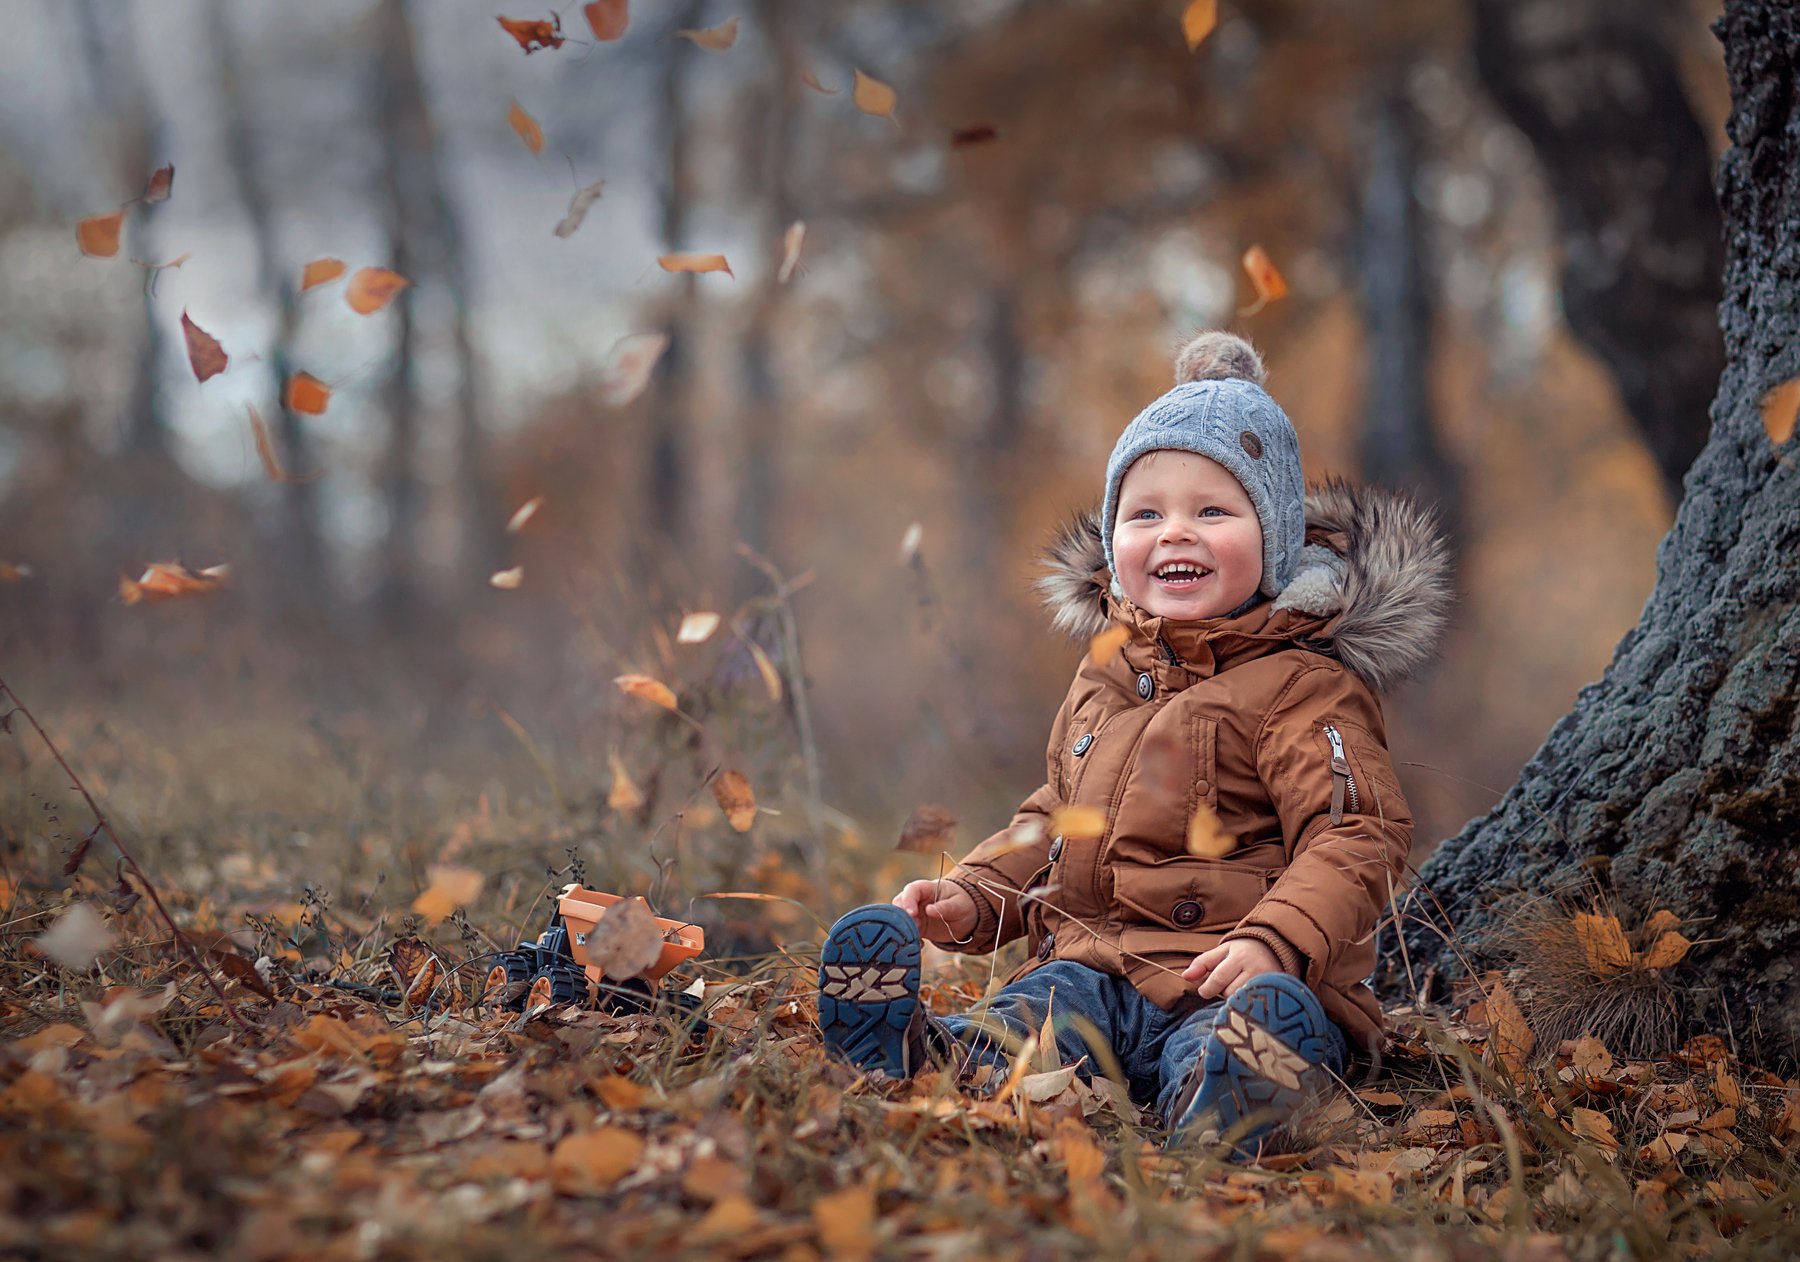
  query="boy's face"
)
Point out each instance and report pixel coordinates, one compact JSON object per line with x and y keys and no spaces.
{"x":1187,"y":541}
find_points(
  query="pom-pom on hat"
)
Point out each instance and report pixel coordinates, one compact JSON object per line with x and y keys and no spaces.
{"x":1219,"y":409}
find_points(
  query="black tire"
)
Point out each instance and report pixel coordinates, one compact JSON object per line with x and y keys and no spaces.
{"x":559,"y":984}
{"x":508,"y":980}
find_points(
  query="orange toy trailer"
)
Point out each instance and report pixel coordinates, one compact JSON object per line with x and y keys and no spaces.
{"x":555,"y":967}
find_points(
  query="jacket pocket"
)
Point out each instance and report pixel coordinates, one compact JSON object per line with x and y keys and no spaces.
{"x":1196,"y":895}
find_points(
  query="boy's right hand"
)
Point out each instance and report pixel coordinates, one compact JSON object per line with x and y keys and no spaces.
{"x":942,"y":909}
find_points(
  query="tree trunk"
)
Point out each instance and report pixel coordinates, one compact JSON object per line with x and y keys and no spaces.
{"x":1596,"y":93}
{"x":1675,"y":781}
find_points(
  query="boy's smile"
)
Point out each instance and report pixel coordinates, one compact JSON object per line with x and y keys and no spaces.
{"x":1187,"y":540}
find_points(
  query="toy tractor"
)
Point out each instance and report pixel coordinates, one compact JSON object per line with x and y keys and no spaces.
{"x":555,"y":968}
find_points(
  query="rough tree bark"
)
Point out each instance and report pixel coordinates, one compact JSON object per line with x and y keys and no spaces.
{"x":1677,"y":775}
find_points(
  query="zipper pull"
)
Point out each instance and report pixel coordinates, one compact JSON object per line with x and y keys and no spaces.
{"x":1340,"y":774}
{"x":1168,"y":651}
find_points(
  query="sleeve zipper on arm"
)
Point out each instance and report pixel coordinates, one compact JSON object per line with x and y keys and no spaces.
{"x":1342,"y":782}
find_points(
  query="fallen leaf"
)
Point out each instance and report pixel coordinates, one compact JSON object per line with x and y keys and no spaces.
{"x":695,"y":263}
{"x":714,"y":39}
{"x":579,"y":202}
{"x":319,"y":271}
{"x":534,"y":33}
{"x":1780,"y":409}
{"x":607,"y":19}
{"x":205,"y":355}
{"x":406,"y":958}
{"x":588,"y":1162}
{"x":647,"y":689}
{"x":928,"y":830}
{"x":424,"y":984}
{"x":527,"y":127}
{"x":1105,"y":646}
{"x":166,"y":580}
{"x":507,"y":580}
{"x":1206,"y":835}
{"x":1725,"y":1087}
{"x":1664,"y":1148}
{"x":265,"y":447}
{"x":1723,"y":1120}
{"x":1594,"y":1126}
{"x":1078,"y":823}
{"x":98,"y":235}
{"x":628,"y":367}
{"x":791,"y":241}
{"x":770,"y":676}
{"x":1267,"y":281}
{"x":963,"y":137}
{"x":1661,"y":922}
{"x":811,"y":80}
{"x":1667,"y":951}
{"x":1037,"y":1088}
{"x":524,"y":513}
{"x":626,"y":941}
{"x":1603,"y":943}
{"x":307,"y":394}
{"x":372,"y":288}
{"x":845,"y":1222}
{"x":872,"y":96}
{"x":731,"y":1217}
{"x":160,"y":184}
{"x":697,"y":628}
{"x":1511,"y":1039}
{"x":76,"y":937}
{"x":1198,"y":20}
{"x":1382,"y":1099}
{"x":624,"y":795}
{"x":731,"y":790}
{"x":1591,"y":1057}
{"x":450,"y":888}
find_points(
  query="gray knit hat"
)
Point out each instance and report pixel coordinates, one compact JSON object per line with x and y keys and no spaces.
{"x":1219,"y":409}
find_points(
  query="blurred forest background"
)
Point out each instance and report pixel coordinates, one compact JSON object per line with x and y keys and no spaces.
{"x":992,"y":282}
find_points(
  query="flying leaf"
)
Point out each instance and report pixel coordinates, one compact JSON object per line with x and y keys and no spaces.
{"x":98,"y":235}
{"x":319,"y":271}
{"x":205,"y":355}
{"x":1667,"y":951}
{"x":527,"y":127}
{"x":624,"y":795}
{"x":450,"y":888}
{"x":78,"y":935}
{"x":980,"y":134}
{"x":791,"y":241}
{"x":872,"y":96}
{"x":910,"y":541}
{"x":524,"y":513}
{"x":811,"y":80}
{"x":1780,"y":409}
{"x":628,"y":367}
{"x":1510,"y":1038}
{"x":507,"y":580}
{"x":534,"y":33}
{"x":1105,"y":646}
{"x":587,"y":1162}
{"x":1198,"y":20}
{"x":372,"y":288}
{"x":10,"y":573}
{"x":1268,"y":282}
{"x":578,"y":208}
{"x":770,"y":676}
{"x":607,"y":19}
{"x":731,"y":789}
{"x":1206,"y":835}
{"x":695,"y":263}
{"x":306,"y":393}
{"x":1603,"y":942}
{"x":626,"y":941}
{"x":714,"y":39}
{"x":697,"y":628}
{"x":159,"y":186}
{"x":644,"y":687}
{"x":265,"y":448}
{"x":928,"y":830}
{"x":1078,"y":823}
{"x":167,"y":580}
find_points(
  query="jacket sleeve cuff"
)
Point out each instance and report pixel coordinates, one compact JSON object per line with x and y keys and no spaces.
{"x":1286,"y":953}
{"x":985,"y":935}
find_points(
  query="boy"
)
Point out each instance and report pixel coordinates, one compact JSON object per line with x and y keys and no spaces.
{"x":1225,"y":973}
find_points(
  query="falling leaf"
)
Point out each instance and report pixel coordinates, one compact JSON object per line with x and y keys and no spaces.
{"x":607,"y":19}
{"x":78,"y":935}
{"x":770,"y":676}
{"x":963,"y":137}
{"x":1780,"y":409}
{"x":845,"y":1222}
{"x":319,"y":271}
{"x":1020,"y":837}
{"x":626,"y":942}
{"x":1667,"y":951}
{"x":1268,"y":282}
{"x":646,"y":688}
{"x":1105,"y":646}
{"x":159,"y":186}
{"x":811,"y":80}
{"x":524,"y":513}
{"x":450,"y":888}
{"x":628,"y":367}
{"x":1078,"y":823}
{"x":205,"y":355}
{"x":586,"y":1162}
{"x":166,"y":580}
{"x":265,"y":447}
{"x":872,"y":96}
{"x":1198,"y":20}
{"x":372,"y":288}
{"x":714,"y":39}
{"x":909,"y":543}
{"x":10,"y":573}
{"x":578,"y":208}
{"x":1206,"y":835}
{"x":695,"y":263}
{"x":527,"y":127}
{"x":507,"y":580}
{"x":534,"y":33}
{"x":98,"y":235}
{"x":791,"y":241}
{"x":624,"y":795}
{"x":731,"y":789}
{"x":697,"y":628}
{"x":928,"y":830}
{"x":306,"y":393}
{"x":1603,"y":942}
{"x":1511,"y":1039}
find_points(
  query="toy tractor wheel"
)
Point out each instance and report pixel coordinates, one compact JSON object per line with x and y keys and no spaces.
{"x":558,"y":984}
{"x":507,"y":981}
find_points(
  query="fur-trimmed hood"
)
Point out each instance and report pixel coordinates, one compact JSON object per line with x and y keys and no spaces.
{"x":1375,"y":566}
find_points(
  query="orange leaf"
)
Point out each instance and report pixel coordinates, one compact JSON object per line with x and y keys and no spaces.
{"x":697,"y":628}
{"x":695,"y":263}
{"x":524,"y":513}
{"x":624,"y":795}
{"x":1661,"y":922}
{"x":1206,"y":835}
{"x":1510,"y":1038}
{"x":265,"y":448}
{"x":98,"y":235}
{"x":1198,"y":20}
{"x":159,"y":186}
{"x":628,"y":367}
{"x":450,"y":888}
{"x":845,"y":1222}
{"x":10,"y":573}
{"x":534,"y":33}
{"x":1780,"y":409}
{"x":507,"y":580}
{"x":791,"y":241}
{"x":372,"y":288}
{"x":1269,"y":283}
{"x":1603,"y":942}
{"x":527,"y":127}
{"x":1667,"y":951}
{"x":714,"y":39}
{"x":205,"y":355}
{"x":406,"y":958}
{"x":578,"y":208}
{"x":166,"y":580}
{"x":1105,"y":646}
{"x":306,"y":393}
{"x":1078,"y":823}
{"x":590,"y":1161}
{"x":872,"y":96}
{"x":929,"y":829}
{"x":607,"y":19}
{"x":643,"y":686}
{"x":731,"y":789}
{"x":811,"y":80}
{"x":319,"y":271}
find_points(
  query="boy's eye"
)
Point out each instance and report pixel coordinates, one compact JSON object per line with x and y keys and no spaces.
{"x":1144,"y":514}
{"x":1211,"y":512}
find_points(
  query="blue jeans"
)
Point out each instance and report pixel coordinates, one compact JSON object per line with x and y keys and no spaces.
{"x":1155,"y":1049}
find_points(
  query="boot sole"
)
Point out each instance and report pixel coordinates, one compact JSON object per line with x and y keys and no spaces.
{"x":869,"y":988}
{"x":1261,"y":1062}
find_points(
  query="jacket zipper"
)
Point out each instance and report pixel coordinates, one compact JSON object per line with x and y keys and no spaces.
{"x":1342,"y":782}
{"x":1168,"y":651}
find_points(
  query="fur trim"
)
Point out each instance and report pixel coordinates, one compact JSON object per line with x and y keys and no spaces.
{"x":1391,"y":585}
{"x":1217,"y":355}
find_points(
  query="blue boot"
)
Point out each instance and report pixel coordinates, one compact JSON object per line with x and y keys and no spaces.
{"x":869,"y":1010}
{"x":1267,"y":1055}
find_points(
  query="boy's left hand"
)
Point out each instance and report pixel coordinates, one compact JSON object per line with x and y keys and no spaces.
{"x":1229,"y":965}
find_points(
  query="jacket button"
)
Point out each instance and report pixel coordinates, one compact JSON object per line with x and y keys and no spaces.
{"x":1081,"y":746}
{"x":1146,"y":686}
{"x":1056,"y":844}
{"x":1047,"y":947}
{"x":1186,"y":913}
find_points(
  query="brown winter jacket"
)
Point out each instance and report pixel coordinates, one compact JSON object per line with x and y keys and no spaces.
{"x":1244,"y":714}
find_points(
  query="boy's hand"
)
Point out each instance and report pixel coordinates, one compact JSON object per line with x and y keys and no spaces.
{"x":1229,"y":965}
{"x":942,"y":909}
